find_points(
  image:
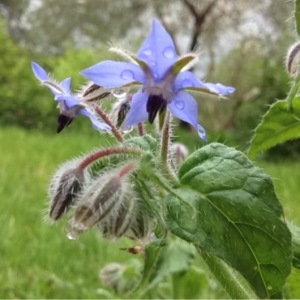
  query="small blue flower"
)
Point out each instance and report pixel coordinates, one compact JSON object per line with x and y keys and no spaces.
{"x":69,"y":106}
{"x":163,"y":78}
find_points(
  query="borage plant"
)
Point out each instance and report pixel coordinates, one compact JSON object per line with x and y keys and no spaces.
{"x":150,"y":190}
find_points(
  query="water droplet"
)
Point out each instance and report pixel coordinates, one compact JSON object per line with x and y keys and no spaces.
{"x":169,"y":52}
{"x":119,"y":94}
{"x":127,"y":75}
{"x":179,"y":104}
{"x":187,"y":83}
{"x":71,"y":236}
{"x":147,"y":52}
{"x":127,"y":130}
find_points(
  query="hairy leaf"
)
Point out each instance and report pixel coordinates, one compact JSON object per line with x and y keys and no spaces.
{"x":278,"y":125}
{"x":228,"y":207}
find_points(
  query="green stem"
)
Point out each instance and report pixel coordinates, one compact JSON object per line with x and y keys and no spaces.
{"x":164,"y":152}
{"x":165,"y":139}
{"x":234,"y":285}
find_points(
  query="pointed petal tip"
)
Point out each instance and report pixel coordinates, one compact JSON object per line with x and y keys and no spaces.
{"x":220,"y":88}
{"x":39,"y":72}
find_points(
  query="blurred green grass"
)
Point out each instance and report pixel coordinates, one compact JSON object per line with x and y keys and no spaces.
{"x":37,"y":260}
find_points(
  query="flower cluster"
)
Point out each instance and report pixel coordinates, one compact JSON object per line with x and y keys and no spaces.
{"x":121,"y":196}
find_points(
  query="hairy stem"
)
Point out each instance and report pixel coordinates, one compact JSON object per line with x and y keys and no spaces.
{"x":234,"y":285}
{"x":106,"y":152}
{"x":141,"y":129}
{"x":108,"y":121}
{"x":164,"y":152}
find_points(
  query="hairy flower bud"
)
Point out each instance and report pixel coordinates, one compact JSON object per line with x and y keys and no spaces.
{"x":141,"y":227}
{"x":179,"y":152}
{"x":100,"y":200}
{"x":120,"y":110}
{"x":111,"y":275}
{"x":142,"y":224}
{"x":93,"y":92}
{"x":121,"y":277}
{"x":118,"y":224}
{"x":293,"y":59}
{"x":64,"y":187}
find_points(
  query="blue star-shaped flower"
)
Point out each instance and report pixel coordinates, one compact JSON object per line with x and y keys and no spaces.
{"x":160,"y":72}
{"x":69,"y":106}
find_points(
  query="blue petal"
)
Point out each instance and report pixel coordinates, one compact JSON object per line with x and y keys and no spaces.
{"x":56,"y":89}
{"x":97,"y":124}
{"x":66,"y":86}
{"x":70,"y":101}
{"x":185,"y":108}
{"x":219,"y":88}
{"x":137,"y":113}
{"x":187,"y":79}
{"x":113,"y":74}
{"x":158,"y":51}
{"x":39,"y":72}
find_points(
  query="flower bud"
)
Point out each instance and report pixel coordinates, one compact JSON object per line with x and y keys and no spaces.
{"x":100,"y":200}
{"x":120,"y":110}
{"x":141,"y":227}
{"x":64,"y":187}
{"x":121,"y":277}
{"x":118,"y":223}
{"x":142,"y":224}
{"x":93,"y":92}
{"x":293,"y":59}
{"x":179,"y":152}
{"x":111,"y":275}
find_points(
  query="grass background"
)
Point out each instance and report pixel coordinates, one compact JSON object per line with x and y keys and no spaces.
{"x":37,"y":260}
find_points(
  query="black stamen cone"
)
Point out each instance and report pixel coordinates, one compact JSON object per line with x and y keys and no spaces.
{"x":155,"y":104}
{"x":63,"y":121}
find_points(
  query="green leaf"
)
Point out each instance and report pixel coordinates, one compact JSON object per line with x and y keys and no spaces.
{"x":295,"y":230}
{"x":146,"y":142}
{"x":231,"y":211}
{"x":277,"y":126}
{"x":163,"y":261}
{"x":176,"y":258}
{"x":297,"y":16}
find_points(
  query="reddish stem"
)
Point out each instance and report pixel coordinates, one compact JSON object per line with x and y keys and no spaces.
{"x":108,"y":121}
{"x":106,"y":152}
{"x":141,"y":129}
{"x":126,"y":169}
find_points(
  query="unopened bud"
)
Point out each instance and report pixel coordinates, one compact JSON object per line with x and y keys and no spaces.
{"x":111,"y":275}
{"x":120,"y":110}
{"x":100,"y":200}
{"x":118,"y":223}
{"x":179,"y":153}
{"x":121,"y":277}
{"x":64,"y":187}
{"x":293,"y":59}
{"x":93,"y":92}
{"x":141,"y":226}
